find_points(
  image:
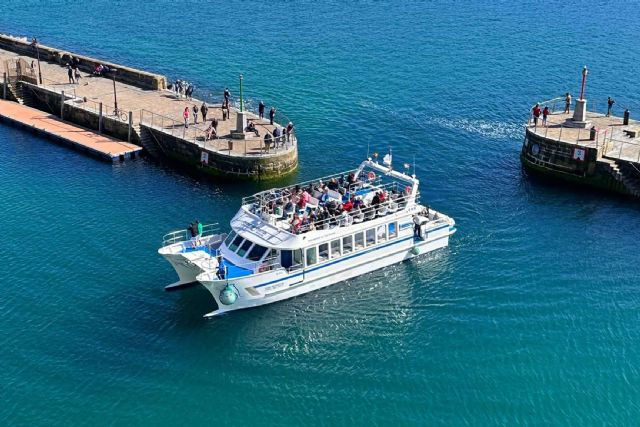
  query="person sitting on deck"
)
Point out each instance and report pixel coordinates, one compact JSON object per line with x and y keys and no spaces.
{"x":296,"y":223}
{"x":358,"y":203}
{"x":333,"y":184}
{"x":210,"y":132}
{"x":383,"y":197}
{"x":288,"y":207}
{"x":348,"y":205}
{"x":324,"y":198}
{"x":376,"y":199}
{"x":251,"y":127}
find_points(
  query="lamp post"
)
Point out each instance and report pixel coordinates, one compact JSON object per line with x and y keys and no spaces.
{"x":241,"y":100}
{"x":38,"y":57}
{"x":584,"y":80}
{"x":115,"y":97}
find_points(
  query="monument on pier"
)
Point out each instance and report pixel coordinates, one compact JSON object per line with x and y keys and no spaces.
{"x":579,"y":119}
{"x":241,"y":118}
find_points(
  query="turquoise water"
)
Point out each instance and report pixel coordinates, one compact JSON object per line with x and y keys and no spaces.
{"x":530,"y":317}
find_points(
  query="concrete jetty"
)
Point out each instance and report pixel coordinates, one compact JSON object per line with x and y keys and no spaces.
{"x":101,"y":146}
{"x":136,"y":106}
{"x":586,"y":146}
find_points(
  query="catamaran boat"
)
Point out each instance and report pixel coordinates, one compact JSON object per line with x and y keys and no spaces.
{"x":285,"y":242}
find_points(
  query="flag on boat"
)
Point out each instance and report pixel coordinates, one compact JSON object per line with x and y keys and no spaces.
{"x":386,"y":160}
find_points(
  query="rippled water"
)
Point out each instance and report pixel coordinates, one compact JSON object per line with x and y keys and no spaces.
{"x":529,"y":317}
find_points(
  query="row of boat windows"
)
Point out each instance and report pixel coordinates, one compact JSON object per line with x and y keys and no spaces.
{"x":352,"y":243}
{"x":244,"y":248}
{"x":330,"y":250}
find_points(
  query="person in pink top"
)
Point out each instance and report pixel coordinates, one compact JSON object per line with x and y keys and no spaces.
{"x":185,"y":115}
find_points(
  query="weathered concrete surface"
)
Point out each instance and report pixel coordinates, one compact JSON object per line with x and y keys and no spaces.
{"x":161,"y":112}
{"x":53,"y":55}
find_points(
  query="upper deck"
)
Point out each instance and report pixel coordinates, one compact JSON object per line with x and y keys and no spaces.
{"x":613,"y":139}
{"x":340,"y":200}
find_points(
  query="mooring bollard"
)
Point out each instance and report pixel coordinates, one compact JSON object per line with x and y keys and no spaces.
{"x":100,"y":118}
{"x":62,"y":105}
{"x":130,"y":126}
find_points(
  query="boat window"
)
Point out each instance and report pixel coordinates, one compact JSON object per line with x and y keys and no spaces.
{"x":393,"y":230}
{"x":312,"y":256}
{"x":255,"y":254}
{"x":359,"y":240}
{"x":244,"y":248}
{"x":297,"y":259}
{"x":323,"y":250}
{"x":371,"y":237}
{"x":236,"y":243}
{"x":347,"y":245}
{"x":335,"y":248}
{"x":382,"y":233}
{"x":230,"y":237}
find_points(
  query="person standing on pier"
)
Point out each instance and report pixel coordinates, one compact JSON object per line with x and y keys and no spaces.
{"x":610,"y":103}
{"x":227,"y":97}
{"x":272,"y":114}
{"x":70,"y":73}
{"x":545,"y":114}
{"x":204,"y":110}
{"x":261,"y":110}
{"x":536,"y":114}
{"x":567,"y":103}
{"x":185,"y":115}
{"x":289,"y":130}
{"x":195,"y":114}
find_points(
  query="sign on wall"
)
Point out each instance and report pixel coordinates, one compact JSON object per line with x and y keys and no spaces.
{"x":204,"y":157}
{"x":579,"y":154}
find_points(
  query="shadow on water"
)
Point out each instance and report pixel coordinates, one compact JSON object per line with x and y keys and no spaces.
{"x":532,"y":180}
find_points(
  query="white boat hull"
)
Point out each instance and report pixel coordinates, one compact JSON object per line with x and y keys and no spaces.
{"x":276,"y":286}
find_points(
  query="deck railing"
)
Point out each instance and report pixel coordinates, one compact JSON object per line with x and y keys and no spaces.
{"x":219,"y":143}
{"x":184,"y":235}
{"x":604,"y":140}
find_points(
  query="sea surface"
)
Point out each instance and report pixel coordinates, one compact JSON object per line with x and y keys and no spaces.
{"x":530,"y":317}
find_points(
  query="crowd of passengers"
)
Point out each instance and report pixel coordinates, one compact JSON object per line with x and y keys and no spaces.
{"x":304,"y":212}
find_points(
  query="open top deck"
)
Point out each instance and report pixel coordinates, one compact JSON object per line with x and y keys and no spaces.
{"x":351,"y":197}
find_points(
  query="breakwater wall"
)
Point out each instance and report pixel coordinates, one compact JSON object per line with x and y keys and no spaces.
{"x":218,"y":163}
{"x":577,"y":164}
{"x":128,"y":75}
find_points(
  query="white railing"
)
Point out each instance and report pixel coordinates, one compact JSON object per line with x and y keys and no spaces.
{"x":184,"y":235}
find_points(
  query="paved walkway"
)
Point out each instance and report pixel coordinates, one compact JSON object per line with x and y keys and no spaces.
{"x":611,"y":139}
{"x":169,"y":109}
{"x":100,"y":145}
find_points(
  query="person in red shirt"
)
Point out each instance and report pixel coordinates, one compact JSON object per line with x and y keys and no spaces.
{"x":347,"y":206}
{"x":545,"y":114}
{"x":536,"y":114}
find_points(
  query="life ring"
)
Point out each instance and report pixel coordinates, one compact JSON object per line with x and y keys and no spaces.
{"x":407,"y":189}
{"x":371,"y":175}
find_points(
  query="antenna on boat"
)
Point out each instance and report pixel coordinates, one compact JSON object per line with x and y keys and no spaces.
{"x":414,"y":167}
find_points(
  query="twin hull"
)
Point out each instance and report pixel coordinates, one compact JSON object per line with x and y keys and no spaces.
{"x":268,"y":287}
